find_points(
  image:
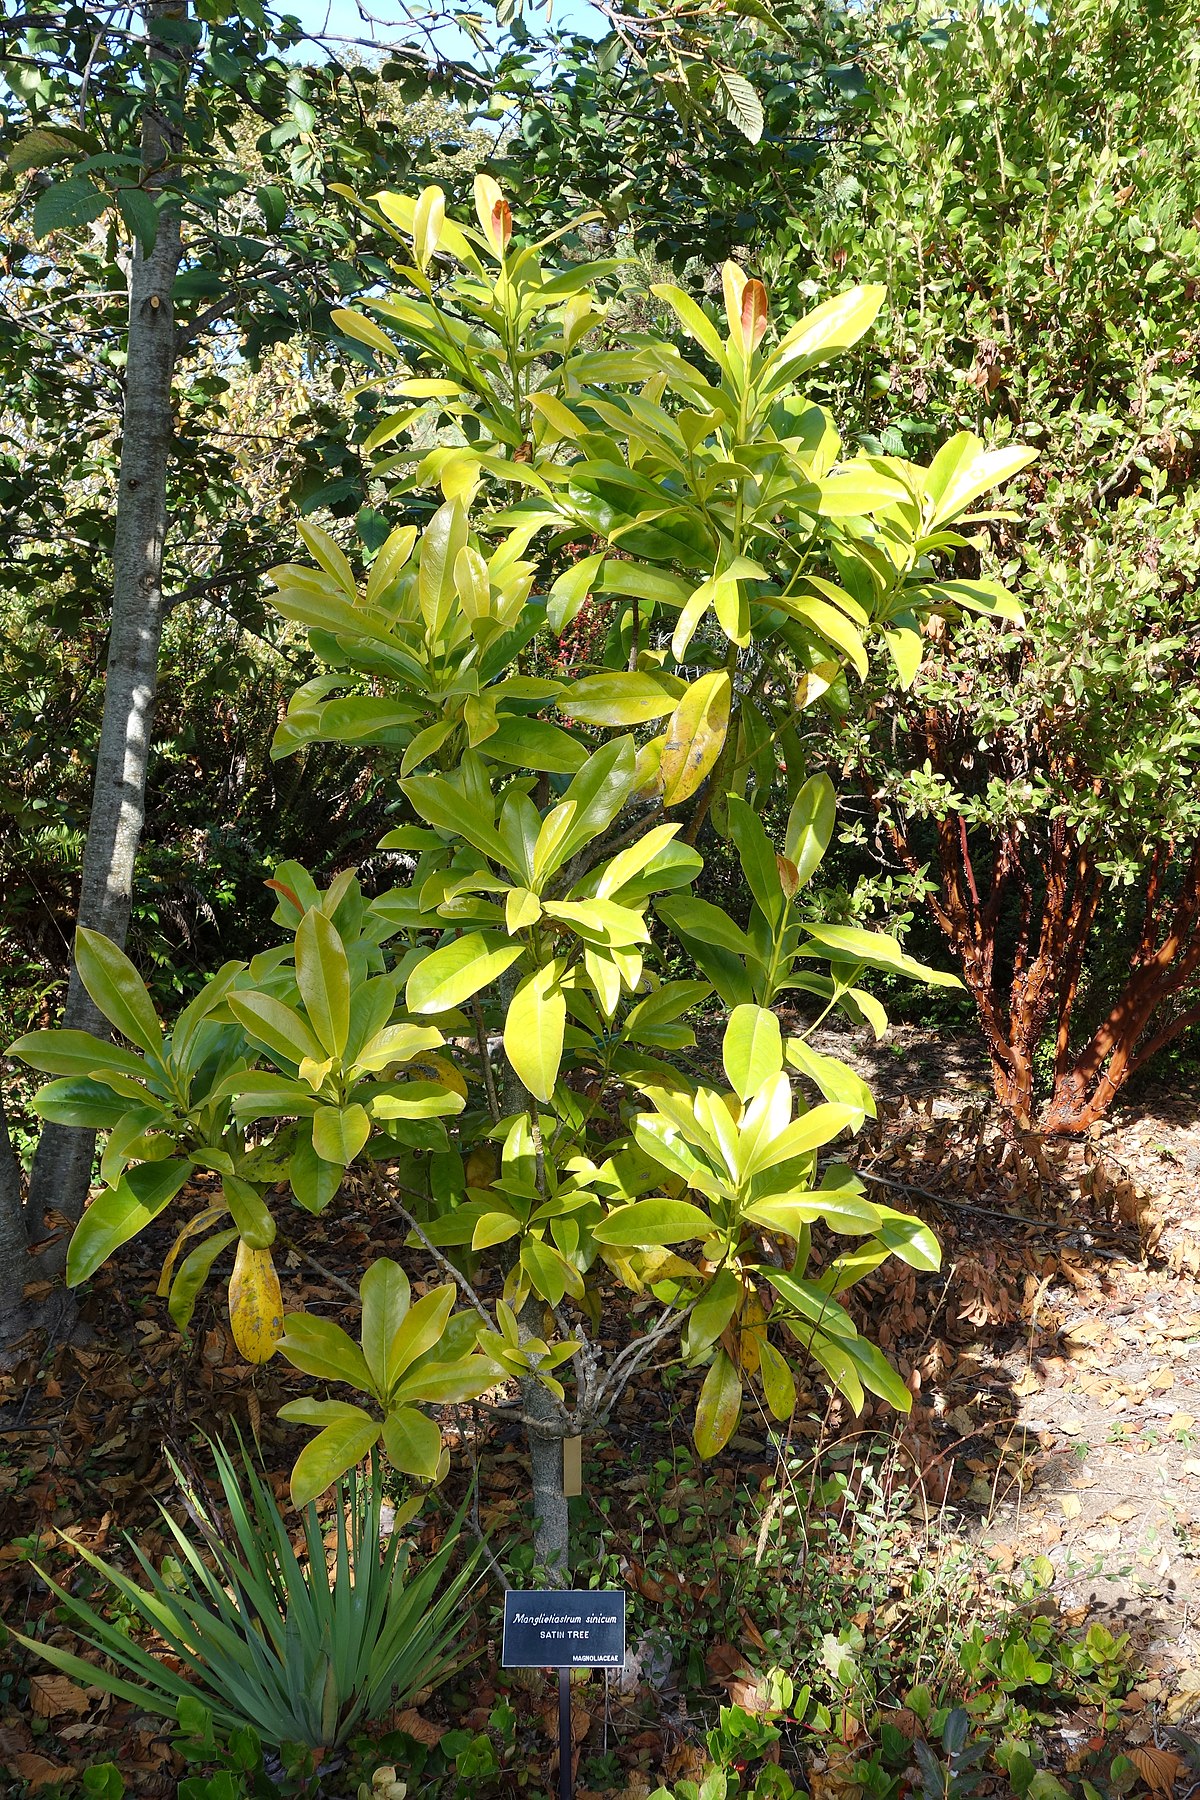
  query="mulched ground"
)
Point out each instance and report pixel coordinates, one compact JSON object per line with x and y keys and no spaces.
{"x":1053,"y":1363}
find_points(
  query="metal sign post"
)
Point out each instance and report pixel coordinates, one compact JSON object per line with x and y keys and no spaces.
{"x":566,"y":1750}
{"x":564,"y":1629}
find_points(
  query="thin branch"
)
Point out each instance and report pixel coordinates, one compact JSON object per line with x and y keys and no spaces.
{"x":327,"y":1274}
{"x":489,"y":1079}
{"x":443,"y":1262}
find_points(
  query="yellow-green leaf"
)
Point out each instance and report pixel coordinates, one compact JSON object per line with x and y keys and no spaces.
{"x":326,"y":551}
{"x":752,"y":1050}
{"x":344,"y":1442}
{"x":120,"y":1213}
{"x":386,"y":1297}
{"x":719,"y":1406}
{"x":117,"y":988}
{"x":778,"y":1383}
{"x":534,"y":1028}
{"x":339,"y":1132}
{"x":629,"y":698}
{"x":249,"y":1212}
{"x":652,"y":1223}
{"x":413,"y":1443}
{"x":448,"y":976}
{"x":320,"y":1347}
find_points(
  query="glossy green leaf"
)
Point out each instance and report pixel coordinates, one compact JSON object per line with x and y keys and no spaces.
{"x":757,"y":854}
{"x":323,"y":977}
{"x":386,"y":1296}
{"x":877,"y":950}
{"x":836,"y":1081}
{"x":313,"y":1181}
{"x":276,"y":1025}
{"x":963,"y":469}
{"x":695,"y":321}
{"x":909,"y":1239}
{"x":76,"y":1053}
{"x":78,"y":1100}
{"x":622,"y":698}
{"x":249,"y":1212}
{"x":321,"y":1348}
{"x":712,"y":1313}
{"x":778,"y":1382}
{"x":192,"y":1274}
{"x":120,"y":1213}
{"x":822,"y":334}
{"x":342,"y":1444}
{"x":534,"y":744}
{"x":118,"y":990}
{"x":810,"y":826}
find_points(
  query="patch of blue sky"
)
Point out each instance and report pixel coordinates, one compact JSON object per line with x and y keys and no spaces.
{"x":387,"y":24}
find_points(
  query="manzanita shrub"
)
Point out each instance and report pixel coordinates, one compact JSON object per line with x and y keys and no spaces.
{"x":487,"y":1048}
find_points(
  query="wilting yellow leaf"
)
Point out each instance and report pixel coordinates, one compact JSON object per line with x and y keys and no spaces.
{"x":694,"y":737}
{"x":481,"y":1167}
{"x":255,"y":1304}
{"x":441,"y":1070}
{"x":751,"y":1334}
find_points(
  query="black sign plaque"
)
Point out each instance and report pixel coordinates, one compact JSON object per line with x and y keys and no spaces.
{"x":564,"y":1628}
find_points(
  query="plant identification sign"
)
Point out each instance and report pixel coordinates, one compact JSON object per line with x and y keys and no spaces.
{"x":564,"y":1628}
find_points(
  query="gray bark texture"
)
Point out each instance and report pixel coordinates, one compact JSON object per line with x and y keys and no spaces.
{"x":62,"y":1165}
{"x":544,"y":1433}
{"x":14,"y":1243}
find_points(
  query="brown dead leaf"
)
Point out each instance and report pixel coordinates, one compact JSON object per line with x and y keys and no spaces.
{"x":724,"y":1662}
{"x":423,"y":1730}
{"x":1159,"y":1769}
{"x":39,"y":1771}
{"x":52,"y":1695}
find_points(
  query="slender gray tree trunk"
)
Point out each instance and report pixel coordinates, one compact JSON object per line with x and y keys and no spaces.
{"x":544,"y":1436}
{"x":14,"y":1242}
{"x":62,"y":1165}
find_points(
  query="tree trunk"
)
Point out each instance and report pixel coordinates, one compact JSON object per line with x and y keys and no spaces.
{"x":14,"y":1244}
{"x":62,"y":1165}
{"x":544,"y":1435}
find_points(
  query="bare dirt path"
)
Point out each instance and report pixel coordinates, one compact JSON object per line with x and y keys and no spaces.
{"x":1056,"y":1361}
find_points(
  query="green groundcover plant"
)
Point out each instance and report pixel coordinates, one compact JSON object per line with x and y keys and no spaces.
{"x":489,"y":1048}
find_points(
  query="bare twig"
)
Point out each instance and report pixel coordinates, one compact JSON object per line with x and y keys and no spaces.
{"x":443,"y":1262}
